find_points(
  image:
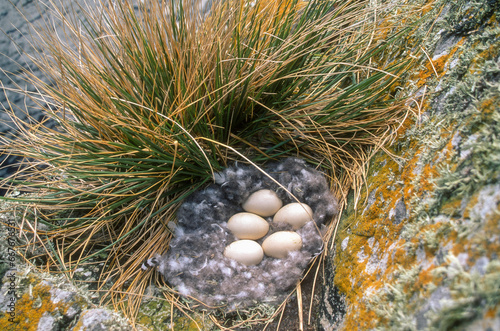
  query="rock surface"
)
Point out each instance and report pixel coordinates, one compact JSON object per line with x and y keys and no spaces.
{"x":421,"y":251}
{"x":44,"y":302}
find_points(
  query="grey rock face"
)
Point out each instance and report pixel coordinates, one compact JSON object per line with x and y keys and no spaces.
{"x":99,"y":320}
{"x":47,"y":323}
{"x":19,"y":23}
{"x":424,"y":256}
{"x":15,"y":48}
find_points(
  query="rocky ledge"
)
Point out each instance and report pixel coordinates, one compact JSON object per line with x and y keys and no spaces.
{"x":419,"y":248}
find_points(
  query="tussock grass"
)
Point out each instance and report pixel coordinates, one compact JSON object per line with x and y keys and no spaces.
{"x":152,"y":100}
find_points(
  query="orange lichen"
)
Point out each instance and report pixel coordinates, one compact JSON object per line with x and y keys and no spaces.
{"x":351,"y":276}
{"x":437,"y":66}
{"x":374,"y":222}
{"x":488,"y":106}
{"x":362,"y":320}
{"x":477,"y":64}
{"x":426,"y":277}
{"x":491,"y":313}
{"x":32,"y":305}
{"x":30,"y":308}
{"x":479,"y":246}
{"x":452,"y":207}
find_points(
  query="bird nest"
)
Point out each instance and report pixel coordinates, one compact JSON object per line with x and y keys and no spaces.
{"x":195,"y":263}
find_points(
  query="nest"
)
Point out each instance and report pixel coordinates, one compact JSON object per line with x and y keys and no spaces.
{"x":195,"y":263}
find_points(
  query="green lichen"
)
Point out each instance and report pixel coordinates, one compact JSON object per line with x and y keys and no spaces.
{"x":157,"y":314}
{"x":472,"y":294}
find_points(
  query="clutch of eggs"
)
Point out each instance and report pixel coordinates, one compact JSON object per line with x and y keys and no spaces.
{"x":249,"y":226}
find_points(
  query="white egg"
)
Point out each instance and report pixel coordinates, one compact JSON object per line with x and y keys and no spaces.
{"x":295,"y":214}
{"x":247,"y":252}
{"x":248,"y":226}
{"x":263,"y":202}
{"x":280,"y":243}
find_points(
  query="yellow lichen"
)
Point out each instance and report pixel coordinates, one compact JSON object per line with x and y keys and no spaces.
{"x":30,"y":308}
{"x":437,"y":66}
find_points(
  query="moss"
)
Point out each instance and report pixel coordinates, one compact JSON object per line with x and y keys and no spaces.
{"x":156,"y":314}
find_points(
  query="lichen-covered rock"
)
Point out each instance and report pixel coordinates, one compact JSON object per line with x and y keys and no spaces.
{"x":421,"y":251}
{"x":99,"y":319}
{"x":30,"y":300}
{"x":158,"y":314}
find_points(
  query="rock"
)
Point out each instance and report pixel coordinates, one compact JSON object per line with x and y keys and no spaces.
{"x":47,"y":323}
{"x":422,"y":253}
{"x":29,"y":298}
{"x":16,"y":49}
{"x":99,"y":320}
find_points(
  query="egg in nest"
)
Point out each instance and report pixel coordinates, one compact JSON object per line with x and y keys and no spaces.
{"x":196,"y":264}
